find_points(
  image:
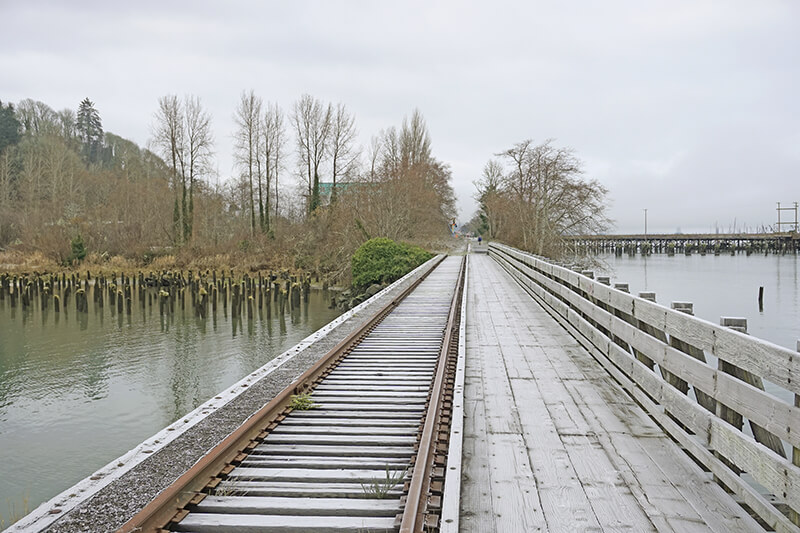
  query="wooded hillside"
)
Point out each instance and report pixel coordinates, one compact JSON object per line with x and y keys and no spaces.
{"x":305,"y":192}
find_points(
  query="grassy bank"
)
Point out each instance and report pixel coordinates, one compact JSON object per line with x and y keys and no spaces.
{"x":17,"y":262}
{"x":338,"y":273}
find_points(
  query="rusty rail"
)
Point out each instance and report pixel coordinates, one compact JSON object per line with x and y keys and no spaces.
{"x":414,"y":519}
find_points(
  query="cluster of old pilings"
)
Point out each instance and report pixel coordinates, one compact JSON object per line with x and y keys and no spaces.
{"x":202,"y":292}
{"x":619,"y":245}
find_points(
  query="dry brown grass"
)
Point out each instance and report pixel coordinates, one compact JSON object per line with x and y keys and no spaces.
{"x":19,"y":261}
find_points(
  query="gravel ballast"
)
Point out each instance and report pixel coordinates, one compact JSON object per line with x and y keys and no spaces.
{"x":106,"y":500}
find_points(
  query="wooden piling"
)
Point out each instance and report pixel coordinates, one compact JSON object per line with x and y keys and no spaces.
{"x":163,"y":302}
{"x":295,"y":294}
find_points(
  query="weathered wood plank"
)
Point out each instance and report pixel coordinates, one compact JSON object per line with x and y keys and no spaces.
{"x":476,"y":502}
{"x":214,"y":523}
{"x":300,"y":506}
{"x":515,"y":504}
{"x":476,"y":513}
{"x":563,"y":499}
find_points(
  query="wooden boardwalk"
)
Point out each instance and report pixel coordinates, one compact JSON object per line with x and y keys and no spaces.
{"x":553,"y":443}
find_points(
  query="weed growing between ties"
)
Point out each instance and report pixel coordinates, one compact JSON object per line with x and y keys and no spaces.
{"x":232,"y":488}
{"x":302,"y":402}
{"x":379,"y":488}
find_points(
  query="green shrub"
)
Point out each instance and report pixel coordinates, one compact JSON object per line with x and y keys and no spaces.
{"x":382,"y":260}
{"x":78,"y":250}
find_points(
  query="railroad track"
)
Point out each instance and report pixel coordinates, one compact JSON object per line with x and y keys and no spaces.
{"x":369,"y":455}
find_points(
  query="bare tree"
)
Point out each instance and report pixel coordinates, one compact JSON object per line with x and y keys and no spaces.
{"x":410,"y":195}
{"x":490,"y":199}
{"x":37,"y":118}
{"x":182,"y":133}
{"x":274,"y":139}
{"x":373,"y":155}
{"x":545,"y":194}
{"x":342,"y":150}
{"x":67,"y":123}
{"x":415,"y":143}
{"x":169,"y":137}
{"x":247,"y":148}
{"x":312,"y":123}
{"x":7,"y":194}
{"x":200,"y":147}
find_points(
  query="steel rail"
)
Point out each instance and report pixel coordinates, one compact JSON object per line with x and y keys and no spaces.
{"x":413,"y":519}
{"x":169,"y":505}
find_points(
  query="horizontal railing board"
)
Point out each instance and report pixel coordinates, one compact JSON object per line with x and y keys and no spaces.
{"x":567,"y":292}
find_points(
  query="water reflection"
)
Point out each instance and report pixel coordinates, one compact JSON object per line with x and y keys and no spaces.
{"x":95,"y":376}
{"x":78,"y":389}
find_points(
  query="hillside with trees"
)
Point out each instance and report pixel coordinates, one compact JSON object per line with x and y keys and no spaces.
{"x":305,"y":194}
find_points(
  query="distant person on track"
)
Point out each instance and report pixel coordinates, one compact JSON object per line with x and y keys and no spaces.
{"x":479,"y":239}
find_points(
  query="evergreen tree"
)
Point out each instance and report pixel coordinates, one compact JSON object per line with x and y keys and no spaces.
{"x":9,"y":126}
{"x":90,"y":131}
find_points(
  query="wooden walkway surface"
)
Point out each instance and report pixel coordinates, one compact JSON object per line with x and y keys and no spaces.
{"x":552,"y":443}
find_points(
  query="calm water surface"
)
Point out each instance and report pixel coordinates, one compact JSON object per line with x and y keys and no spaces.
{"x":721,"y":285}
{"x":75,"y":394}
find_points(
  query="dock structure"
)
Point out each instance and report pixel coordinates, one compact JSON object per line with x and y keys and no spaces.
{"x":777,"y":242}
{"x":556,"y":403}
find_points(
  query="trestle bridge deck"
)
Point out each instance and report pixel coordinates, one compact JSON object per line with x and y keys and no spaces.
{"x":577,"y":407}
{"x":717,"y":243}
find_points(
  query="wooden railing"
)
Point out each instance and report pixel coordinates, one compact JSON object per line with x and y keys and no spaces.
{"x":698,"y":380}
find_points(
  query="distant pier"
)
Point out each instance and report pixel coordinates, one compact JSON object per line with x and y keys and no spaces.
{"x":686,"y":243}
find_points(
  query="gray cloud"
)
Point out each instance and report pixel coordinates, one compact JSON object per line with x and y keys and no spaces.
{"x":687,"y":108}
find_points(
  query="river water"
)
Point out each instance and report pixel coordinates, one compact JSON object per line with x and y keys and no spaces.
{"x":77,"y":393}
{"x":721,"y":285}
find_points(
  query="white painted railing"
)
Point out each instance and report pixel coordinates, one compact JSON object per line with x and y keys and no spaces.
{"x":659,"y":357}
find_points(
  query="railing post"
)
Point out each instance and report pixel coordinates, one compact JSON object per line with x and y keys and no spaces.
{"x":763,"y":436}
{"x":795,"y":515}
{"x":668,"y":376}
{"x":703,"y":399}
{"x":650,"y":330}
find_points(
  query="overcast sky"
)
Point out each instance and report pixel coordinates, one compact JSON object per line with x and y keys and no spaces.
{"x":687,"y":108}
